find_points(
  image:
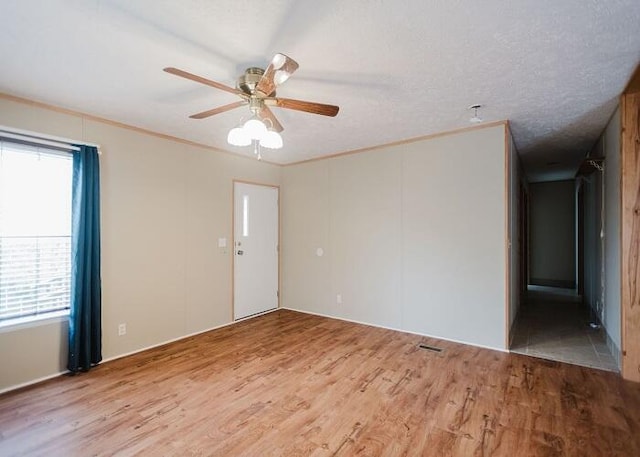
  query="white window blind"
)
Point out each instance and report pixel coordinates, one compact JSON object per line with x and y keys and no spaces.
{"x":35,"y":229}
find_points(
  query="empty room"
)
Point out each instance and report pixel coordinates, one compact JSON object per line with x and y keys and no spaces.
{"x":297,"y":228}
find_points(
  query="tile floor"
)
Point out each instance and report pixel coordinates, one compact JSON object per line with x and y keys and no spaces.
{"x":553,"y":324}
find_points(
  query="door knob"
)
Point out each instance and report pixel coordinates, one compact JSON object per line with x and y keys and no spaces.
{"x":240,"y":252}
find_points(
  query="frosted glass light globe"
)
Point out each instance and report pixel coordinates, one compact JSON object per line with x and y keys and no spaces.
{"x":238,"y":137}
{"x":255,"y":128}
{"x":271,"y":140}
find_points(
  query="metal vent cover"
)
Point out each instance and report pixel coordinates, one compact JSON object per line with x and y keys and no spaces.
{"x":429,"y":348}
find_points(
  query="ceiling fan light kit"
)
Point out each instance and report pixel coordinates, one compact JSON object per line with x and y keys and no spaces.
{"x":255,"y":128}
{"x":238,"y":137}
{"x":271,"y":140}
{"x":257,"y":88}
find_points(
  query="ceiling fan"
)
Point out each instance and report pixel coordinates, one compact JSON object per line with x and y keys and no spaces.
{"x":257,"y":89}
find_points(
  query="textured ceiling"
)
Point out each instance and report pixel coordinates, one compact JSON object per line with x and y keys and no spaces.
{"x":398,"y":69}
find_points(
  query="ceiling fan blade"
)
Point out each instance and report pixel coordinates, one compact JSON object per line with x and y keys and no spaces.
{"x":300,"y":105}
{"x":201,"y":80}
{"x":218,"y":110}
{"x":266,"y":113}
{"x":278,"y":71}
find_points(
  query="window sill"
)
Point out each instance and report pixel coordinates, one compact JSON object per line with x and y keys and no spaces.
{"x":33,"y":321}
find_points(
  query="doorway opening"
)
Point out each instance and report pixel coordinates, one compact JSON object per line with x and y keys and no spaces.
{"x":559,"y":255}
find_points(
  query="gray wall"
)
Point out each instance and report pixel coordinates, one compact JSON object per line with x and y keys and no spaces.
{"x":413,"y":237}
{"x":602,"y":254}
{"x":552,"y":237}
{"x":593,"y":247}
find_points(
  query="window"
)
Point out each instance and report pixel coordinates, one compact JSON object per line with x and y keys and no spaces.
{"x":35,"y":230}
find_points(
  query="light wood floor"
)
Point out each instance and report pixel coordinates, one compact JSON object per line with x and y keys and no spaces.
{"x":288,"y":384}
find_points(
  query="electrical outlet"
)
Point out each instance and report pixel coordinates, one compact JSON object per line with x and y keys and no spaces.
{"x":339,"y":299}
{"x":122,"y":329}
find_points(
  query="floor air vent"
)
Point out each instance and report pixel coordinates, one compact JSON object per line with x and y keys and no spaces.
{"x":429,"y":348}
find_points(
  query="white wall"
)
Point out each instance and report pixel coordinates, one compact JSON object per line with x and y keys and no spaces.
{"x":552,"y":238}
{"x":413,"y":237}
{"x":164,"y":205}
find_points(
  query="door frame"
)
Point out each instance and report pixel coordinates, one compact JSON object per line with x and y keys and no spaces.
{"x":580,"y":203}
{"x":233,"y":245}
{"x":524,"y":241}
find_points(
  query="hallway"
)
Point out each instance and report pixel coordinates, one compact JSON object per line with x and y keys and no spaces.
{"x":553,"y":324}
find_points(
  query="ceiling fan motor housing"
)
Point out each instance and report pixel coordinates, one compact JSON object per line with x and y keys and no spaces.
{"x":248,"y":81}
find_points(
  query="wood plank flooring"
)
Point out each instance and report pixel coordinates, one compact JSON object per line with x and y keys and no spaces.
{"x":292,"y":384}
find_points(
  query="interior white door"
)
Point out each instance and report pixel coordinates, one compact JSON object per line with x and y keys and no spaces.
{"x":255,"y":243}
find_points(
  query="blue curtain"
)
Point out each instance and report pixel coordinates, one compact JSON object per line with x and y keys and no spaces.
{"x":85,"y":327}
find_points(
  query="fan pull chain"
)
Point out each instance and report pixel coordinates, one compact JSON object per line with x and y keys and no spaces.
{"x":256,"y":149}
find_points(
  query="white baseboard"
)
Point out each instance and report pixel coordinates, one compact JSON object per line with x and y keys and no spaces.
{"x":398,"y":330}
